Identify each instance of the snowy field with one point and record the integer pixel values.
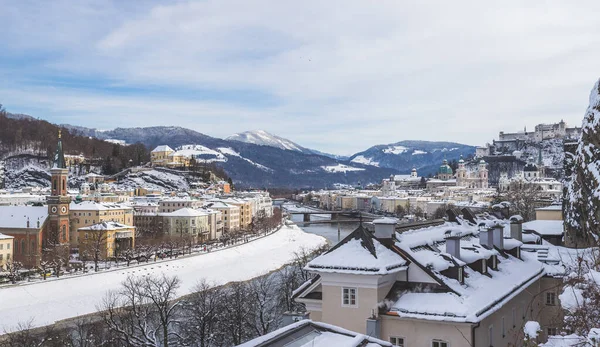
(48, 302)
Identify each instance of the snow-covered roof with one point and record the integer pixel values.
(163, 148)
(5, 237)
(16, 217)
(185, 212)
(550, 208)
(97, 206)
(314, 334)
(545, 227)
(359, 253)
(107, 226)
(481, 294)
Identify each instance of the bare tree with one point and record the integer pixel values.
(523, 198)
(202, 310)
(14, 271)
(144, 312)
(236, 314)
(266, 314)
(25, 335)
(95, 244)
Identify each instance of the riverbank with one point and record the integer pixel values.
(53, 301)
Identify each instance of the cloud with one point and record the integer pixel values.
(338, 75)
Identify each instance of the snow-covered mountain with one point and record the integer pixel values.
(426, 156)
(263, 138)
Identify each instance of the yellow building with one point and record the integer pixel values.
(230, 215)
(245, 210)
(552, 212)
(6, 250)
(160, 155)
(88, 213)
(110, 238)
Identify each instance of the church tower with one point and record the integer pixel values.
(58, 201)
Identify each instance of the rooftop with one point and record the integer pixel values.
(307, 333)
(16, 217)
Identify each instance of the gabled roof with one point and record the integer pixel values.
(359, 253)
(480, 294)
(314, 334)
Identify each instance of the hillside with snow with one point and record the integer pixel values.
(426, 156)
(263, 138)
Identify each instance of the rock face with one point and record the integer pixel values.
(582, 193)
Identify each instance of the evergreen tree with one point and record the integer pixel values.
(582, 193)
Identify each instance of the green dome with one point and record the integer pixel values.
(445, 169)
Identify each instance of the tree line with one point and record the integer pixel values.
(147, 311)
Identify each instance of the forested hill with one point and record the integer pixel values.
(32, 137)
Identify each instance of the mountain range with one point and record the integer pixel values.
(260, 159)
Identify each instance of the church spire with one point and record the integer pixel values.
(59, 156)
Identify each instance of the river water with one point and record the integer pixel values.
(329, 231)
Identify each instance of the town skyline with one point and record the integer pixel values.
(378, 75)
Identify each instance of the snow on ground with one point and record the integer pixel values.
(200, 153)
(153, 179)
(395, 150)
(417, 152)
(341, 168)
(361, 159)
(48, 302)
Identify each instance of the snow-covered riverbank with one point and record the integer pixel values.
(48, 302)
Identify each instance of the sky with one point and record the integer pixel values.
(337, 76)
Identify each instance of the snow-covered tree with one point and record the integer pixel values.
(582, 193)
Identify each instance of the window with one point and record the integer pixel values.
(397, 341)
(514, 317)
(1, 246)
(550, 299)
(551, 331)
(1, 255)
(8, 246)
(439, 343)
(349, 296)
(503, 328)
(491, 335)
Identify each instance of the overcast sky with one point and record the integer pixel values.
(337, 76)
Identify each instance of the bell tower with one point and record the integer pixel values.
(58, 201)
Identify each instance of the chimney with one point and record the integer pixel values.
(516, 227)
(453, 244)
(385, 228)
(486, 235)
(498, 237)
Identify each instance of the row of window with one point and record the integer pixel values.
(7, 257)
(2, 246)
(399, 342)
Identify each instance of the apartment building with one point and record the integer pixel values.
(88, 213)
(230, 215)
(468, 282)
(111, 238)
(173, 204)
(6, 250)
(187, 222)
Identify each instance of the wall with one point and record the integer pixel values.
(422, 332)
(548, 215)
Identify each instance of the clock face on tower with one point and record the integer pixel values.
(63, 210)
(54, 209)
